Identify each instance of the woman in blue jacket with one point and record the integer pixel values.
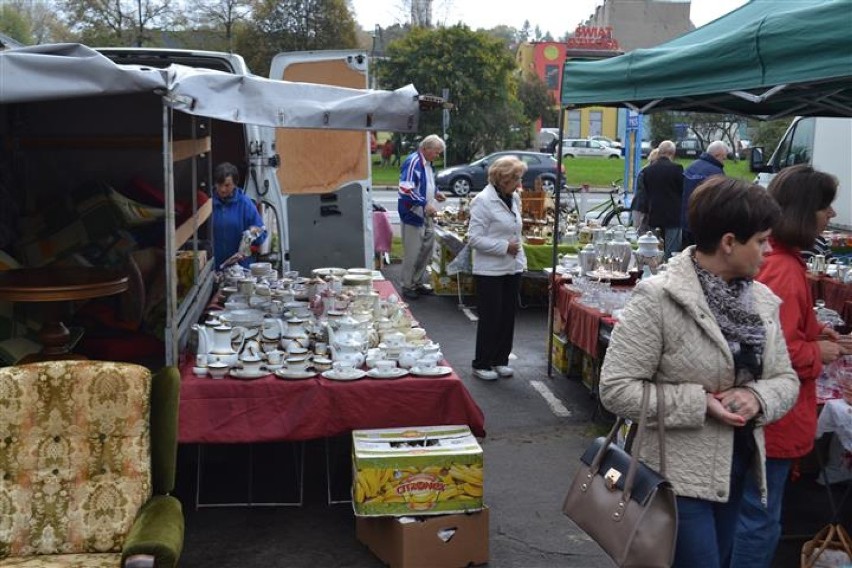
(233, 214)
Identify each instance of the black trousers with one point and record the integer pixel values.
(496, 303)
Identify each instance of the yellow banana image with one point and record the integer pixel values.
(360, 494)
(466, 474)
(472, 489)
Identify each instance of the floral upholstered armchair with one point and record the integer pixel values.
(87, 462)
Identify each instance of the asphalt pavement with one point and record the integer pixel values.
(537, 427)
(530, 453)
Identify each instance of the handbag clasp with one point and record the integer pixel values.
(611, 478)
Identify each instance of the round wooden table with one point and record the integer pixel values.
(52, 286)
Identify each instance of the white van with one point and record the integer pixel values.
(824, 143)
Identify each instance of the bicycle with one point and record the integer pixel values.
(606, 212)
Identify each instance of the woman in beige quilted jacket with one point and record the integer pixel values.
(710, 335)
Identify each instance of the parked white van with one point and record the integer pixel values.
(824, 143)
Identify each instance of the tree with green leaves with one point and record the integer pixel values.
(15, 24)
(119, 22)
(662, 128)
(768, 133)
(221, 16)
(479, 73)
(295, 25)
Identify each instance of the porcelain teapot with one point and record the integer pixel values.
(205, 338)
(296, 327)
(224, 340)
(348, 328)
(349, 352)
(649, 245)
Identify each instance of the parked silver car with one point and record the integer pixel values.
(582, 148)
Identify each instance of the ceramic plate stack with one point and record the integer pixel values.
(358, 279)
(263, 270)
(323, 272)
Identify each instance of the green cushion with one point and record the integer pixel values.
(158, 530)
(165, 394)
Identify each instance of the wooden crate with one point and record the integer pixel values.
(532, 204)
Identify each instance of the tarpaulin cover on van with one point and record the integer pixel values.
(766, 58)
(63, 71)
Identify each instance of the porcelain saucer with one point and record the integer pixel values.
(392, 373)
(244, 374)
(294, 375)
(352, 375)
(273, 368)
(438, 371)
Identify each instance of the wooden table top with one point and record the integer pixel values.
(57, 284)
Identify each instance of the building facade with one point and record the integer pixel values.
(616, 26)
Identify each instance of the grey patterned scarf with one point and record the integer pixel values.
(732, 305)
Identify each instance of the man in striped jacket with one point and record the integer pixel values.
(416, 206)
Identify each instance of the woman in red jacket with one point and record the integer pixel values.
(805, 197)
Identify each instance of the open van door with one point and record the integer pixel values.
(325, 175)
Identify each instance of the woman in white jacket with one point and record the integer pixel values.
(494, 235)
(710, 335)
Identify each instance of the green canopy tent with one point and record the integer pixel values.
(767, 59)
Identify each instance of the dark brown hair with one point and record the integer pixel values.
(801, 191)
(723, 205)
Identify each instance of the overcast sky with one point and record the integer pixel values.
(555, 16)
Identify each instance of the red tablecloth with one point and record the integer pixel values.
(580, 322)
(272, 409)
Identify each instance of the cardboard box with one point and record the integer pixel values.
(184, 264)
(445, 285)
(590, 371)
(426, 470)
(559, 354)
(443, 541)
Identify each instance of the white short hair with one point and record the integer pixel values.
(718, 147)
(432, 141)
(666, 148)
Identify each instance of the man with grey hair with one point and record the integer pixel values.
(663, 182)
(710, 163)
(416, 203)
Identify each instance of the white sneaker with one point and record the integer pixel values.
(504, 371)
(486, 374)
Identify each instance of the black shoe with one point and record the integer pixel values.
(410, 293)
(425, 290)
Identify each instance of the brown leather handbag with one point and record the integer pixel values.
(625, 506)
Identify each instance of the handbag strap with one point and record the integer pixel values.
(640, 434)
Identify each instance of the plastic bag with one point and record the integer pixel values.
(463, 262)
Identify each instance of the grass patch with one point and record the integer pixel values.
(596, 172)
(600, 172)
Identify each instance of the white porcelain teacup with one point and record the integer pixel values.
(321, 348)
(322, 364)
(297, 364)
(275, 357)
(384, 365)
(251, 365)
(343, 367)
(426, 363)
(218, 369)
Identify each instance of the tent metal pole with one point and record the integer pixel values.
(172, 336)
(554, 253)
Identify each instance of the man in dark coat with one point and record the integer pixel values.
(663, 181)
(708, 164)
